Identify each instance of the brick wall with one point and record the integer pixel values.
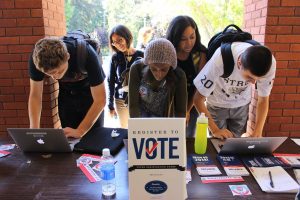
(54, 25)
(22, 23)
(276, 23)
(255, 13)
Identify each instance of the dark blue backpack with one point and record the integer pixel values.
(224, 40)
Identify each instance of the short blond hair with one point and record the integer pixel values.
(49, 53)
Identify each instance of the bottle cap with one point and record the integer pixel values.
(202, 118)
(105, 152)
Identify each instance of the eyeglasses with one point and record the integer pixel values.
(118, 42)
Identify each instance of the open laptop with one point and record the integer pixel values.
(263, 145)
(42, 140)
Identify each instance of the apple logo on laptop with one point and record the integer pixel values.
(251, 146)
(40, 141)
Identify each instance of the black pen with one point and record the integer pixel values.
(271, 180)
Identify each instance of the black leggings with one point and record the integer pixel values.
(73, 104)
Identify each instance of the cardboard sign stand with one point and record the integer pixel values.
(157, 158)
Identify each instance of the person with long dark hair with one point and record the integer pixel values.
(120, 41)
(191, 57)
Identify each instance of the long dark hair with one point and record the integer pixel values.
(176, 29)
(121, 31)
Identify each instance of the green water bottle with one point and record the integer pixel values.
(201, 134)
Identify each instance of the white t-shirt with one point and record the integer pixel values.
(234, 91)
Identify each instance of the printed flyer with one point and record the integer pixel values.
(232, 165)
(157, 157)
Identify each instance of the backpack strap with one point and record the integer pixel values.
(228, 61)
(227, 57)
(81, 48)
(232, 25)
(81, 54)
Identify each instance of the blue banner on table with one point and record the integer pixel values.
(263, 161)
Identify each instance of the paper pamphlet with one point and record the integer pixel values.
(240, 190)
(85, 163)
(222, 179)
(4, 153)
(205, 165)
(232, 165)
(5, 147)
(267, 176)
(290, 159)
(262, 161)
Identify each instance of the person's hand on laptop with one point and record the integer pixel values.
(222, 133)
(251, 135)
(71, 132)
(246, 134)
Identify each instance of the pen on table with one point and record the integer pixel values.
(271, 180)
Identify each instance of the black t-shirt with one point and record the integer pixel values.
(95, 73)
(188, 67)
(117, 66)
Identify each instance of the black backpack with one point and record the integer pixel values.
(224, 40)
(81, 40)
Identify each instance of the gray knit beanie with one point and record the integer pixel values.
(160, 51)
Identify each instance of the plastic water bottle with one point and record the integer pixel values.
(297, 197)
(107, 170)
(201, 134)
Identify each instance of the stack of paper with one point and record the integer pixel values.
(274, 180)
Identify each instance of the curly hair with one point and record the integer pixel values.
(49, 53)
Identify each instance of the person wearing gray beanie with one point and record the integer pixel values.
(157, 88)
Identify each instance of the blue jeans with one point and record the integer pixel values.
(191, 126)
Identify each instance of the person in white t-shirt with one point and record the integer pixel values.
(228, 99)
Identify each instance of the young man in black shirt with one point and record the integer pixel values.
(81, 92)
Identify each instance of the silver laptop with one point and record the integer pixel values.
(263, 145)
(43, 140)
